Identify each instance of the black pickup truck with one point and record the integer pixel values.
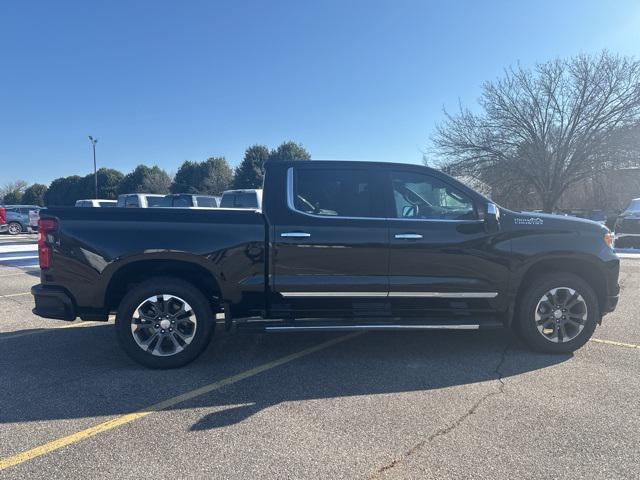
(337, 246)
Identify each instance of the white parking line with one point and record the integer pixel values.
(21, 256)
(28, 247)
(634, 256)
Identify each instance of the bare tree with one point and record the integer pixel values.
(12, 192)
(548, 128)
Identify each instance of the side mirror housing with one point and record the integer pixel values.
(492, 217)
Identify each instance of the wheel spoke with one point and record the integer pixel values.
(157, 350)
(545, 320)
(176, 345)
(562, 333)
(146, 343)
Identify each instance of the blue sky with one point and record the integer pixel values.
(161, 82)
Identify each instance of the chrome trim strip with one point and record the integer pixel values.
(391, 294)
(408, 236)
(291, 205)
(620, 235)
(443, 294)
(374, 327)
(295, 234)
(333, 294)
(443, 220)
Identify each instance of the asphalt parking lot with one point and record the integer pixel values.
(373, 405)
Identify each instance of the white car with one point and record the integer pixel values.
(139, 200)
(245, 198)
(96, 203)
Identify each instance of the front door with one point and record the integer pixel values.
(442, 259)
(330, 250)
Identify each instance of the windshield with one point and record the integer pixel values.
(634, 206)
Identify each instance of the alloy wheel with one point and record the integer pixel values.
(15, 228)
(561, 314)
(163, 325)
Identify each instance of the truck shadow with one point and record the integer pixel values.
(79, 373)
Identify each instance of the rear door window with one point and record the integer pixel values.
(131, 202)
(245, 200)
(337, 192)
(154, 201)
(207, 202)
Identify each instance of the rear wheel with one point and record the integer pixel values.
(14, 228)
(164, 323)
(558, 313)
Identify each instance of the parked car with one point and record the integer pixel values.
(3, 220)
(186, 200)
(627, 227)
(96, 203)
(139, 200)
(17, 217)
(246, 198)
(338, 246)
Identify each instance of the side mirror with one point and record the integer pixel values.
(409, 211)
(492, 217)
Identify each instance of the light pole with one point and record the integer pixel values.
(95, 171)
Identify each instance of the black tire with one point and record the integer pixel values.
(202, 332)
(526, 323)
(14, 228)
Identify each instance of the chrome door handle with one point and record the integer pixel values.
(295, 234)
(408, 236)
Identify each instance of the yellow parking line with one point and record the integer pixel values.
(15, 295)
(617, 344)
(171, 402)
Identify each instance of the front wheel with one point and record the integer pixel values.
(558, 313)
(164, 323)
(14, 228)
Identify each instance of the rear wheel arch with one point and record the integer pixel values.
(140, 271)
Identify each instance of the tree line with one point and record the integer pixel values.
(209, 177)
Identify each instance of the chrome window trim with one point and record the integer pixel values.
(390, 294)
(291, 205)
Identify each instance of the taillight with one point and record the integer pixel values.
(46, 226)
(608, 239)
(3, 216)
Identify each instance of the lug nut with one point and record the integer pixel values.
(157, 326)
(173, 321)
(170, 329)
(162, 331)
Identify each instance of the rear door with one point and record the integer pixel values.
(330, 244)
(442, 259)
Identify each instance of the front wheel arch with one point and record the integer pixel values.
(585, 268)
(526, 318)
